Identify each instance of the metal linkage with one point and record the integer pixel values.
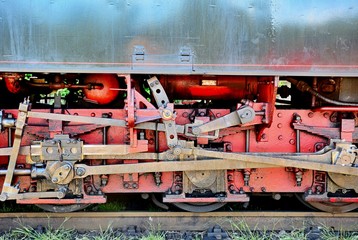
(166, 109)
(341, 159)
(7, 189)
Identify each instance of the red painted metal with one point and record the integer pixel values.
(273, 132)
(324, 198)
(85, 200)
(13, 83)
(210, 87)
(105, 95)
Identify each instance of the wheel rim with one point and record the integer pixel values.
(328, 206)
(334, 207)
(199, 207)
(62, 208)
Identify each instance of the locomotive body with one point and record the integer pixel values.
(202, 102)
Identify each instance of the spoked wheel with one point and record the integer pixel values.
(199, 207)
(62, 208)
(328, 206)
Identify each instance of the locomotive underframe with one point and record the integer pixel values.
(223, 156)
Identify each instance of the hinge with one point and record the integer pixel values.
(185, 55)
(138, 53)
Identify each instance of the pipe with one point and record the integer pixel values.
(63, 85)
(304, 87)
(18, 172)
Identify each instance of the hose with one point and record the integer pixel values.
(304, 87)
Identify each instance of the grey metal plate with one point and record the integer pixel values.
(277, 37)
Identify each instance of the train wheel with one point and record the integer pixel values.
(199, 207)
(62, 208)
(327, 206)
(334, 207)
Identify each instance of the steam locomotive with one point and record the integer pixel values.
(201, 102)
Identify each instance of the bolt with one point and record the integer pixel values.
(177, 151)
(67, 167)
(55, 180)
(319, 189)
(134, 185)
(195, 131)
(280, 137)
(279, 115)
(229, 177)
(326, 115)
(292, 142)
(276, 196)
(126, 185)
(310, 114)
(279, 125)
(80, 171)
(263, 189)
(263, 136)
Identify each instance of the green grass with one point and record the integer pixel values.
(12, 206)
(114, 206)
(240, 231)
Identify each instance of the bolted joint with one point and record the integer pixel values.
(167, 114)
(80, 171)
(3, 197)
(196, 130)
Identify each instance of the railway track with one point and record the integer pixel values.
(181, 221)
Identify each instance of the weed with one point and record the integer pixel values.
(114, 206)
(332, 234)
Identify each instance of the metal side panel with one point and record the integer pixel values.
(277, 37)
